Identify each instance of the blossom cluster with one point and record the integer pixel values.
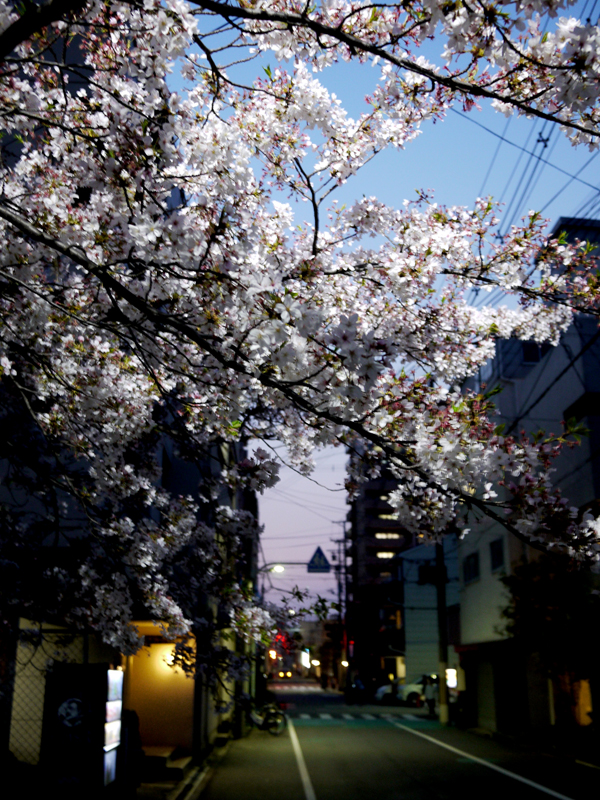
(176, 276)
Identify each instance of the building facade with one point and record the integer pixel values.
(515, 680)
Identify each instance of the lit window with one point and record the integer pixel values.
(471, 568)
(386, 576)
(497, 554)
(387, 536)
(385, 554)
(383, 515)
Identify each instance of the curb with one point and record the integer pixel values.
(192, 786)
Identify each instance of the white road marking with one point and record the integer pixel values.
(325, 716)
(291, 688)
(483, 762)
(347, 716)
(368, 716)
(304, 716)
(409, 716)
(309, 792)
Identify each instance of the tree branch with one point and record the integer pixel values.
(355, 44)
(33, 20)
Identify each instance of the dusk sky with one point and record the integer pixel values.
(299, 515)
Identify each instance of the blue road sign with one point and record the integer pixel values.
(318, 562)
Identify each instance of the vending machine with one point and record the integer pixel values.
(82, 725)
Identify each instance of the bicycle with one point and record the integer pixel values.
(270, 718)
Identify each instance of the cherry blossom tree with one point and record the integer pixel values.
(175, 267)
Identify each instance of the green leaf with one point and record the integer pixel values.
(492, 392)
(499, 429)
(267, 69)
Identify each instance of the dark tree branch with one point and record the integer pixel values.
(358, 45)
(34, 19)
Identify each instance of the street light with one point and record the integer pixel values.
(344, 663)
(279, 566)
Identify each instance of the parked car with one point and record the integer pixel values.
(409, 693)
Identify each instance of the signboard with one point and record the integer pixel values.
(318, 562)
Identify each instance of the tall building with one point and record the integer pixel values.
(374, 624)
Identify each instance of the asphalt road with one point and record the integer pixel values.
(332, 751)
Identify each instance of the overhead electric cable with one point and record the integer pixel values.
(584, 9)
(494, 157)
(589, 205)
(570, 181)
(510, 215)
(553, 383)
(592, 14)
(512, 144)
(539, 174)
(517, 162)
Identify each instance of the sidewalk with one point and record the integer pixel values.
(191, 787)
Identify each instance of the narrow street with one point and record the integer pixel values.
(334, 751)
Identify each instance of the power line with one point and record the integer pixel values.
(553, 383)
(487, 174)
(535, 182)
(314, 503)
(509, 220)
(302, 505)
(512, 144)
(570, 181)
(518, 161)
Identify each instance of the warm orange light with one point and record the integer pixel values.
(273, 654)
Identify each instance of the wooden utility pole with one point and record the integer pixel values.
(440, 585)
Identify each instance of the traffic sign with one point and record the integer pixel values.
(318, 562)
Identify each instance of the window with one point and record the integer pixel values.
(387, 536)
(384, 515)
(385, 554)
(471, 568)
(497, 554)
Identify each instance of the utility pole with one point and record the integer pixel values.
(340, 569)
(340, 572)
(440, 585)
